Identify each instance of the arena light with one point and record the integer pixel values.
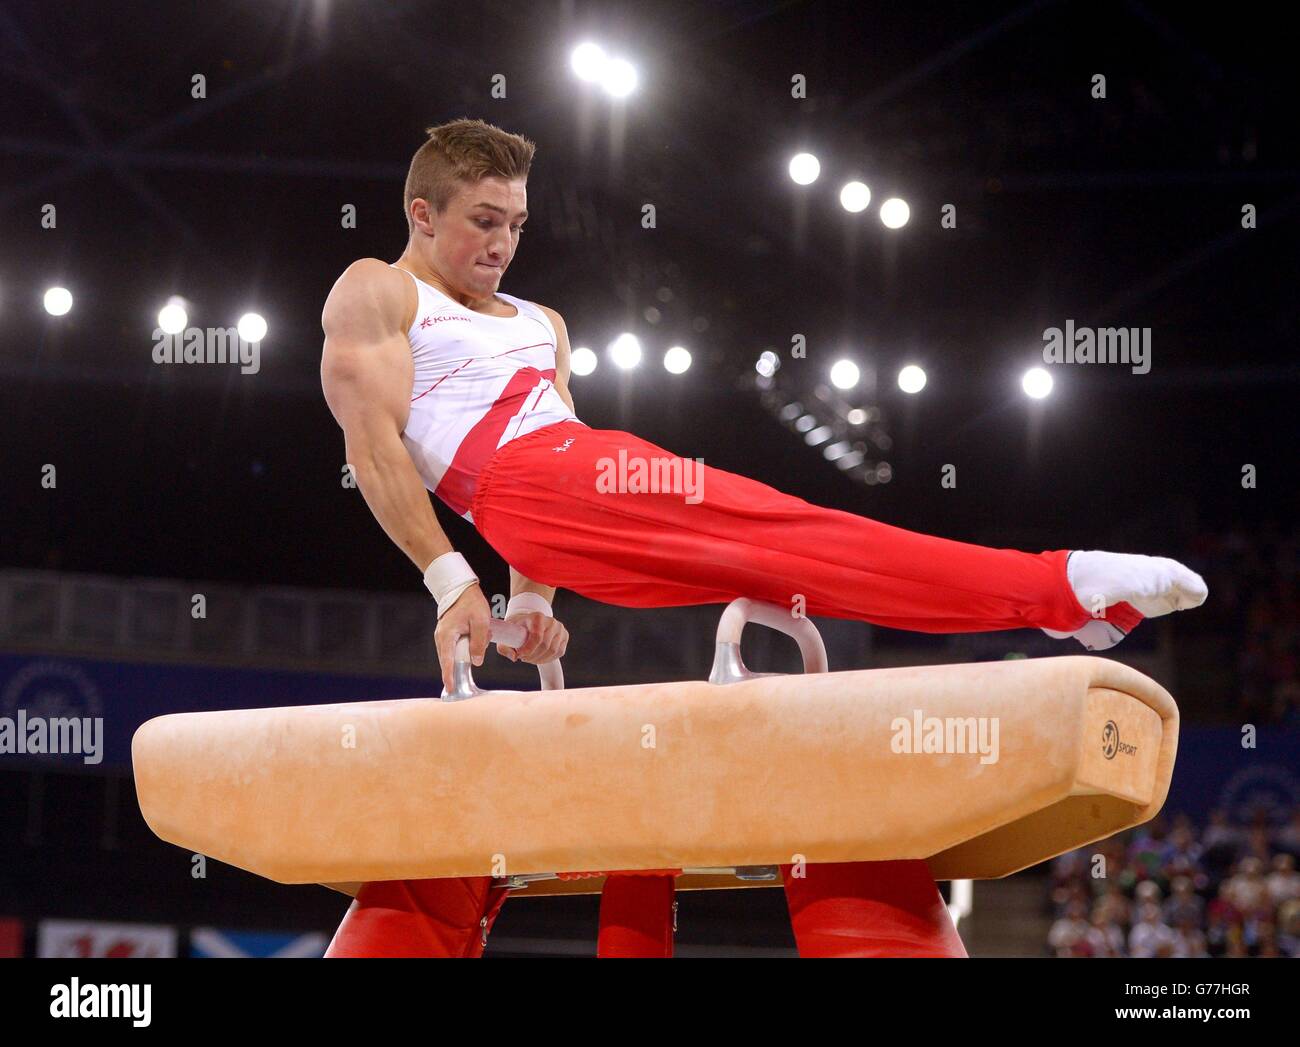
(252, 327)
(767, 363)
(855, 197)
(1036, 383)
(844, 374)
(58, 301)
(173, 317)
(625, 351)
(619, 78)
(677, 360)
(894, 213)
(588, 61)
(911, 379)
(582, 361)
(804, 168)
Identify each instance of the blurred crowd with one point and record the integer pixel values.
(1255, 601)
(1167, 890)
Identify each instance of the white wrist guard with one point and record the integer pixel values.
(446, 578)
(529, 602)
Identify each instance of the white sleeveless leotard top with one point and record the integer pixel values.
(480, 382)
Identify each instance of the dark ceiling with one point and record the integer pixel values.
(1124, 211)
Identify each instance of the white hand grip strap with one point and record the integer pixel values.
(507, 634)
(727, 664)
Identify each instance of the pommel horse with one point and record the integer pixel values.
(723, 779)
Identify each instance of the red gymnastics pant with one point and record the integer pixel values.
(538, 504)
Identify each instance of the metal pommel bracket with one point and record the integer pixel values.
(729, 667)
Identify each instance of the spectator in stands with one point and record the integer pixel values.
(1267, 942)
(1184, 852)
(1283, 882)
(1116, 907)
(1069, 894)
(1149, 850)
(1183, 904)
(1288, 918)
(1150, 937)
(1236, 944)
(1148, 893)
(1068, 870)
(1189, 940)
(1221, 832)
(1246, 889)
(1217, 928)
(1105, 936)
(1258, 845)
(1236, 893)
(1068, 935)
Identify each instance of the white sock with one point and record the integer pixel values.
(1155, 585)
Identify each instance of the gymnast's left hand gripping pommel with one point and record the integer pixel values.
(547, 639)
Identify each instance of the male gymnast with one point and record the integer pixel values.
(442, 382)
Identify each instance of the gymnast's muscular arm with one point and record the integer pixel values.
(366, 373)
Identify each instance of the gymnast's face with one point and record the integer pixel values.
(475, 239)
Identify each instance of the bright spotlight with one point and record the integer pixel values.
(172, 317)
(854, 197)
(619, 78)
(252, 328)
(894, 213)
(588, 61)
(911, 379)
(767, 364)
(844, 374)
(625, 351)
(677, 360)
(1036, 383)
(804, 168)
(58, 300)
(582, 361)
